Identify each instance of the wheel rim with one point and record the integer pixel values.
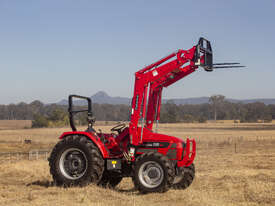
(73, 163)
(151, 174)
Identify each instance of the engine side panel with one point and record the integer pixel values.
(174, 148)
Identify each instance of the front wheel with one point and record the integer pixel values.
(76, 161)
(153, 172)
(185, 178)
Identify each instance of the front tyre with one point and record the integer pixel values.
(153, 172)
(76, 161)
(185, 178)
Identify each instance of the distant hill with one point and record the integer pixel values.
(246, 101)
(102, 97)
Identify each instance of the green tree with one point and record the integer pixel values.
(170, 113)
(216, 101)
(57, 115)
(40, 121)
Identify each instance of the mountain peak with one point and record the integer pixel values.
(100, 94)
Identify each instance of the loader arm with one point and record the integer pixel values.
(150, 81)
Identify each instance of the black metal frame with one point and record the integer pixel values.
(204, 47)
(73, 112)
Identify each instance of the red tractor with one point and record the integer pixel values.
(155, 162)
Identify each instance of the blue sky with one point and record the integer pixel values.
(50, 49)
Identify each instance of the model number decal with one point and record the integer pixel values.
(155, 144)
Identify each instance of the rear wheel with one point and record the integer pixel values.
(76, 161)
(153, 172)
(185, 178)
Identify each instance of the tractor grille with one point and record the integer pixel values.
(183, 146)
(172, 154)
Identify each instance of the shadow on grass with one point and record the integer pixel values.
(47, 183)
(125, 190)
(42, 183)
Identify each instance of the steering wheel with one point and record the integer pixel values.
(118, 128)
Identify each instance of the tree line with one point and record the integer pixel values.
(46, 115)
(251, 112)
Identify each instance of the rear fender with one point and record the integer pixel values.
(92, 137)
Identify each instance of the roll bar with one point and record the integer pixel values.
(73, 112)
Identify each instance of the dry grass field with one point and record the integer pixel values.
(235, 165)
(15, 124)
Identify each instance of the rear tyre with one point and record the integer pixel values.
(186, 178)
(76, 161)
(153, 172)
(109, 180)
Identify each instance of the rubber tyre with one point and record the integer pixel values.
(109, 180)
(95, 162)
(188, 177)
(168, 172)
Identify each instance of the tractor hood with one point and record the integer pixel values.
(149, 136)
